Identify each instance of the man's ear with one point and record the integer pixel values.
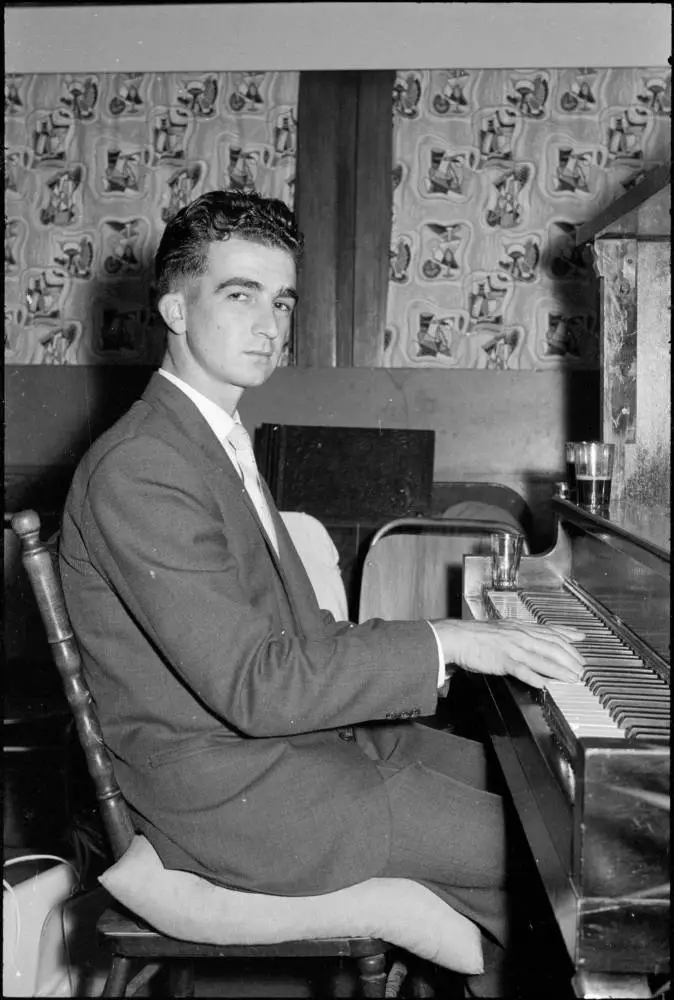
(173, 311)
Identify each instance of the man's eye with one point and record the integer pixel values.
(238, 296)
(285, 306)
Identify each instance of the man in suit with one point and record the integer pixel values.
(258, 742)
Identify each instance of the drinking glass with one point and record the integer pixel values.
(570, 450)
(506, 549)
(594, 472)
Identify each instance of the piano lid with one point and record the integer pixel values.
(641, 529)
(650, 523)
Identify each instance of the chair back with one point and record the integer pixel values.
(413, 567)
(46, 585)
(448, 494)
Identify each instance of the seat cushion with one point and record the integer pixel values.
(186, 906)
(320, 558)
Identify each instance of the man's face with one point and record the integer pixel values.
(237, 317)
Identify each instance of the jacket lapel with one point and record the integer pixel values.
(189, 422)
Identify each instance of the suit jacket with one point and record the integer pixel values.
(222, 689)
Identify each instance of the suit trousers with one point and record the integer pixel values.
(449, 832)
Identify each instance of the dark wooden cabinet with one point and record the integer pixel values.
(352, 479)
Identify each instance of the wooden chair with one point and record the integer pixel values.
(448, 495)
(412, 568)
(127, 938)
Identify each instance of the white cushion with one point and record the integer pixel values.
(320, 557)
(396, 910)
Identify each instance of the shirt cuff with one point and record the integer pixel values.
(442, 673)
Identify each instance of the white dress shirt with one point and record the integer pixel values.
(221, 424)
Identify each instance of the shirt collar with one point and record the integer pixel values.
(217, 419)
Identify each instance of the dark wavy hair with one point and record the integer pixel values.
(182, 254)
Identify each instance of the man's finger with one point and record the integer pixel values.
(550, 639)
(572, 634)
(546, 667)
(548, 646)
(561, 643)
(529, 677)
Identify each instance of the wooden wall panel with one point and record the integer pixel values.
(632, 253)
(327, 116)
(343, 204)
(374, 193)
(616, 264)
(648, 462)
(506, 427)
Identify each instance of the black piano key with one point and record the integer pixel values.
(635, 708)
(639, 726)
(608, 660)
(618, 675)
(631, 698)
(623, 670)
(606, 650)
(602, 641)
(602, 685)
(648, 692)
(614, 704)
(645, 693)
(601, 648)
(601, 644)
(652, 721)
(652, 708)
(606, 675)
(647, 686)
(651, 695)
(638, 689)
(646, 733)
(641, 716)
(638, 671)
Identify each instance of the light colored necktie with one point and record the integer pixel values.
(245, 457)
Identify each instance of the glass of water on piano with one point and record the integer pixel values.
(594, 471)
(506, 550)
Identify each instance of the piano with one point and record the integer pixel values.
(587, 765)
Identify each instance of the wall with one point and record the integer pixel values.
(506, 427)
(512, 424)
(96, 167)
(87, 37)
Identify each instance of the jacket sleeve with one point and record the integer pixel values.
(156, 534)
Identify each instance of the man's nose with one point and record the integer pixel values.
(266, 322)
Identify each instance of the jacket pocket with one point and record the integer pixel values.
(180, 751)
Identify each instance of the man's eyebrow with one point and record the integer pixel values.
(254, 286)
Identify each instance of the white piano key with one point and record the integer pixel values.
(582, 710)
(603, 651)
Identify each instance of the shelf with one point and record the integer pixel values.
(653, 182)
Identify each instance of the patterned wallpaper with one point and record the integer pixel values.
(493, 171)
(94, 168)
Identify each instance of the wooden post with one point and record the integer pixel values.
(616, 264)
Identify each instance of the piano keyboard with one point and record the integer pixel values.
(621, 697)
